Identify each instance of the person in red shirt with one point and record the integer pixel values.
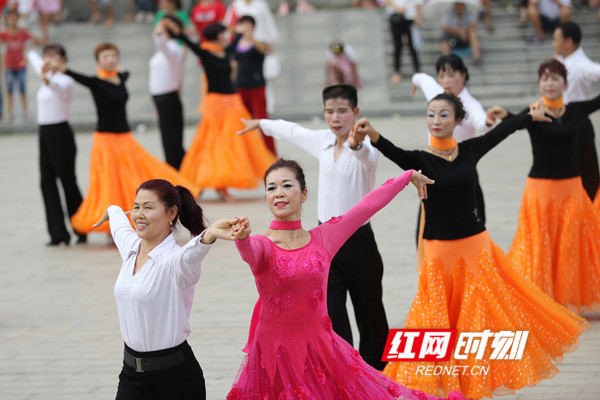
(206, 12)
(15, 39)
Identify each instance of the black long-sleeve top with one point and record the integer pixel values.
(555, 145)
(451, 207)
(218, 70)
(110, 100)
(250, 68)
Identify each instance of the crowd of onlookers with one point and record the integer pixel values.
(458, 23)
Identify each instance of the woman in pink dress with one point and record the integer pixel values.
(293, 353)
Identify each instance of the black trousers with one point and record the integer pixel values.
(170, 121)
(357, 268)
(184, 381)
(57, 161)
(401, 27)
(588, 159)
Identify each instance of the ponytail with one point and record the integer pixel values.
(190, 213)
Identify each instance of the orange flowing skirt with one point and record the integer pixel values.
(557, 244)
(219, 158)
(597, 199)
(469, 285)
(118, 165)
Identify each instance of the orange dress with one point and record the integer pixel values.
(218, 157)
(118, 163)
(467, 283)
(556, 245)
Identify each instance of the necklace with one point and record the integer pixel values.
(443, 153)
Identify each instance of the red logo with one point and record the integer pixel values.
(419, 345)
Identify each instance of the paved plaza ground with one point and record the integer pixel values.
(59, 332)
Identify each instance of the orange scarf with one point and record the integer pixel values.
(558, 103)
(210, 46)
(442, 144)
(105, 74)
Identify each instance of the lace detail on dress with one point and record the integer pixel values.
(284, 269)
(277, 305)
(314, 263)
(317, 299)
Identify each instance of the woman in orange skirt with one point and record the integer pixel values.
(556, 245)
(219, 158)
(118, 164)
(466, 282)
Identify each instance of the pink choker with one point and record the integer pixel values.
(286, 225)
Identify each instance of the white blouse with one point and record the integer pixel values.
(154, 304)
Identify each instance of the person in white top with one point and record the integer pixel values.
(452, 76)
(57, 144)
(346, 175)
(154, 291)
(166, 70)
(545, 15)
(581, 73)
(403, 13)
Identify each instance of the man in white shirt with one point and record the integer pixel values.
(581, 72)
(57, 144)
(346, 175)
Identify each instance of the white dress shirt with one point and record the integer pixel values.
(166, 66)
(342, 183)
(581, 72)
(474, 120)
(154, 304)
(54, 98)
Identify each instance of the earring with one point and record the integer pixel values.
(171, 223)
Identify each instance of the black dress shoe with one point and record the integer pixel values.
(58, 241)
(81, 238)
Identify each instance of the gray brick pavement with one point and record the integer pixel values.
(59, 334)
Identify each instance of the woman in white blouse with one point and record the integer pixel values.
(155, 290)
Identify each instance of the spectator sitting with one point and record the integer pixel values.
(459, 31)
(341, 66)
(545, 15)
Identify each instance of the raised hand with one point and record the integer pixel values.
(227, 229)
(421, 181)
(363, 128)
(105, 218)
(538, 113)
(251, 125)
(495, 112)
(171, 26)
(354, 139)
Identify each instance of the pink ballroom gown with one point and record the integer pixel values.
(293, 352)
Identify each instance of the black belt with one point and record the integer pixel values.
(153, 363)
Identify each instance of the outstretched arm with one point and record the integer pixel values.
(337, 230)
(485, 143)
